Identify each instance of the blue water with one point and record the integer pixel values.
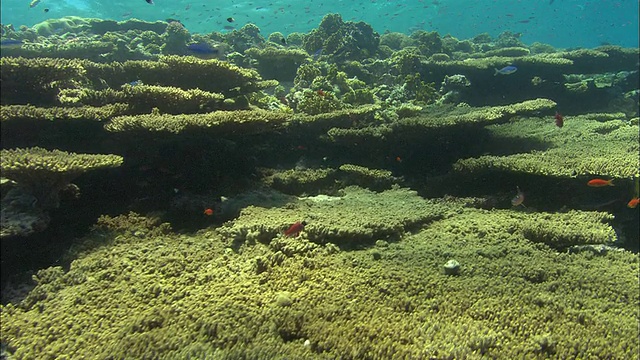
(561, 23)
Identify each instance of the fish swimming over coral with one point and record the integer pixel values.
(600, 183)
(202, 48)
(11, 43)
(507, 70)
(295, 229)
(519, 198)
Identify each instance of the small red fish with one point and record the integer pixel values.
(294, 230)
(600, 183)
(321, 92)
(518, 199)
(559, 120)
(633, 203)
(208, 211)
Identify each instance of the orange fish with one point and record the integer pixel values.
(208, 211)
(294, 230)
(633, 203)
(600, 183)
(321, 92)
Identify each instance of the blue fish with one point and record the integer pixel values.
(202, 48)
(134, 83)
(317, 54)
(507, 70)
(11, 43)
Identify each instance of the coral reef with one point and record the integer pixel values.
(395, 158)
(298, 181)
(590, 145)
(144, 98)
(34, 113)
(374, 179)
(39, 81)
(342, 40)
(335, 220)
(277, 63)
(40, 176)
(272, 299)
(43, 173)
(219, 122)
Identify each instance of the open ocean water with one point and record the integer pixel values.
(561, 23)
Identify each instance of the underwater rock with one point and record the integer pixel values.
(451, 267)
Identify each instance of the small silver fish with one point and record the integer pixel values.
(518, 199)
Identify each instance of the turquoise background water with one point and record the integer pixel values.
(562, 23)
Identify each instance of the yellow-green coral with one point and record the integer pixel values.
(185, 72)
(360, 135)
(44, 173)
(91, 113)
(533, 62)
(508, 52)
(192, 297)
(143, 98)
(481, 115)
(296, 181)
(313, 103)
(37, 81)
(584, 146)
(358, 216)
(240, 121)
(366, 177)
(278, 63)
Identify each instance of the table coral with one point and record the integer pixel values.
(587, 147)
(43, 173)
(144, 98)
(89, 113)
